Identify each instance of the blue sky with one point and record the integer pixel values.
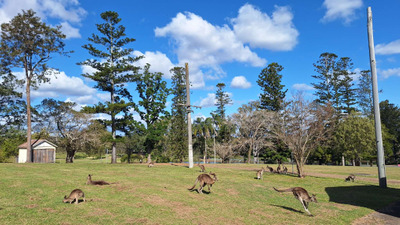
(224, 41)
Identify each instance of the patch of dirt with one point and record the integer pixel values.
(100, 212)
(49, 210)
(137, 221)
(31, 206)
(260, 212)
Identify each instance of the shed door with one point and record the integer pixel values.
(43, 155)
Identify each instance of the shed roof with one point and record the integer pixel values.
(40, 141)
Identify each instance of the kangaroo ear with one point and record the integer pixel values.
(65, 196)
(314, 195)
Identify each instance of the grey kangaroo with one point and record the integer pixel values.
(205, 179)
(202, 167)
(96, 182)
(284, 169)
(151, 164)
(351, 177)
(271, 170)
(278, 169)
(260, 173)
(302, 195)
(75, 195)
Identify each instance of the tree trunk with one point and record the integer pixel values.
(205, 151)
(29, 155)
(299, 166)
(343, 161)
(354, 162)
(215, 153)
(249, 155)
(70, 155)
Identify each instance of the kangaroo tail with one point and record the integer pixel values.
(284, 190)
(197, 180)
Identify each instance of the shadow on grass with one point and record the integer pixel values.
(367, 196)
(289, 208)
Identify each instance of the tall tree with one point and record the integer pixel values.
(390, 116)
(364, 93)
(346, 90)
(114, 70)
(325, 68)
(272, 94)
(28, 43)
(202, 129)
(223, 99)
(153, 93)
(178, 130)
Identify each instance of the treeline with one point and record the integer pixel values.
(335, 128)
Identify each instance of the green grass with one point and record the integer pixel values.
(33, 194)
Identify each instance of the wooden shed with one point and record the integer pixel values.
(43, 151)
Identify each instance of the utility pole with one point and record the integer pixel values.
(378, 130)
(189, 119)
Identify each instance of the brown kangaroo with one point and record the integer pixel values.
(205, 179)
(151, 164)
(202, 167)
(284, 169)
(278, 169)
(260, 173)
(75, 195)
(96, 182)
(302, 195)
(271, 170)
(351, 177)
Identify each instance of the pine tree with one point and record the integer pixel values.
(364, 93)
(113, 71)
(223, 99)
(272, 94)
(28, 43)
(346, 90)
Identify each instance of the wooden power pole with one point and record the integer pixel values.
(189, 119)
(378, 130)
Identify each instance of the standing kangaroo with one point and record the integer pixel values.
(284, 169)
(302, 195)
(271, 170)
(260, 173)
(202, 167)
(96, 182)
(205, 179)
(75, 194)
(351, 177)
(278, 169)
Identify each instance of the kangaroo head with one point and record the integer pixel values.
(214, 175)
(313, 198)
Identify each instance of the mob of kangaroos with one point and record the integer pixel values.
(96, 182)
(302, 195)
(75, 195)
(204, 179)
(351, 177)
(202, 167)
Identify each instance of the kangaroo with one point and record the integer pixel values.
(75, 194)
(205, 179)
(284, 169)
(302, 195)
(96, 182)
(260, 173)
(351, 177)
(271, 170)
(202, 167)
(151, 164)
(278, 169)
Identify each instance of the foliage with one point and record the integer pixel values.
(153, 93)
(390, 117)
(272, 94)
(364, 93)
(28, 43)
(9, 142)
(222, 99)
(113, 72)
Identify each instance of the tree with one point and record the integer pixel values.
(223, 99)
(253, 128)
(325, 67)
(153, 93)
(28, 43)
(113, 72)
(202, 128)
(347, 90)
(272, 94)
(59, 118)
(303, 125)
(364, 93)
(390, 116)
(178, 129)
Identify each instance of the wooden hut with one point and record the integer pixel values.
(43, 151)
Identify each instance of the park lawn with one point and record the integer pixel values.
(33, 194)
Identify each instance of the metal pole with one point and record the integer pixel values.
(189, 117)
(378, 130)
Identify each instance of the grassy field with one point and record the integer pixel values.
(33, 194)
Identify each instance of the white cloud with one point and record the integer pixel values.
(69, 31)
(65, 11)
(302, 87)
(341, 9)
(209, 101)
(240, 82)
(389, 72)
(205, 46)
(159, 62)
(260, 30)
(388, 49)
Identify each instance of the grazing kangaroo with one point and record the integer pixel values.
(202, 167)
(302, 195)
(260, 173)
(75, 194)
(151, 164)
(205, 179)
(271, 170)
(351, 177)
(96, 182)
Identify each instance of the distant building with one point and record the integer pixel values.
(43, 151)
